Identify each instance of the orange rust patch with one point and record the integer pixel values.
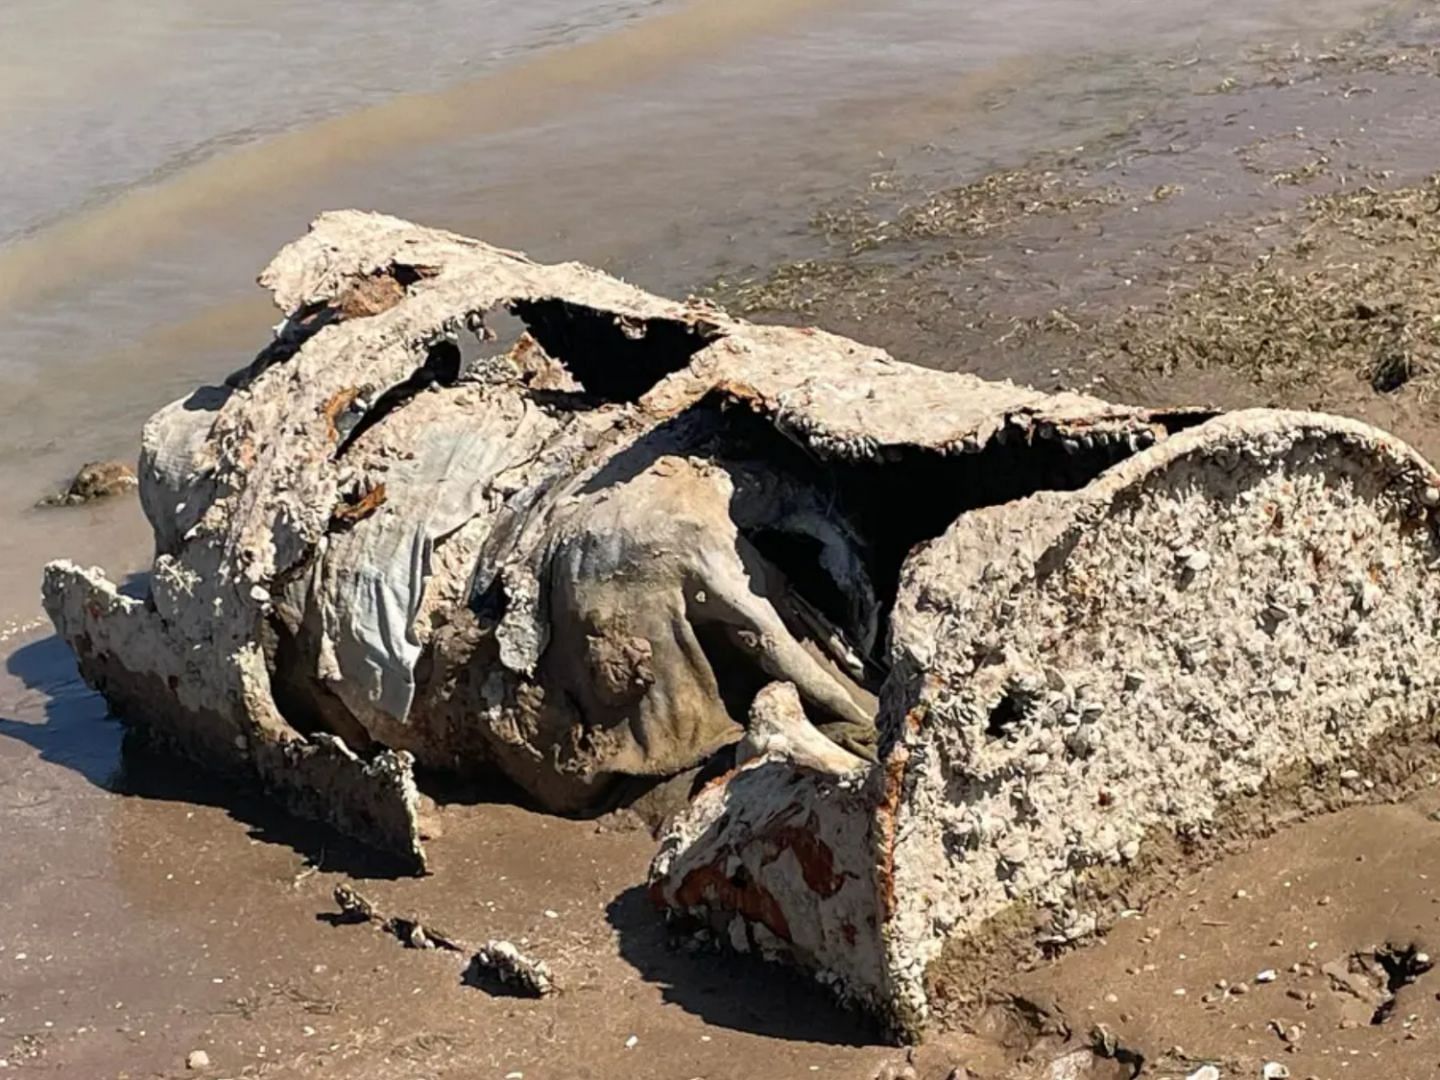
(338, 403)
(369, 296)
(885, 815)
(719, 781)
(709, 885)
(817, 861)
(915, 718)
(741, 393)
(380, 291)
(347, 513)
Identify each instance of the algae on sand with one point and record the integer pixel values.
(1356, 289)
(882, 249)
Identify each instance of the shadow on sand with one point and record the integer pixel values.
(732, 991)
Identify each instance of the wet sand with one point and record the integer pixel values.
(147, 913)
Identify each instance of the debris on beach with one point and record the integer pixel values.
(495, 962)
(974, 667)
(410, 930)
(95, 480)
(502, 962)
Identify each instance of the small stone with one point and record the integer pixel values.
(1205, 1072)
(1430, 496)
(197, 1059)
(1273, 1070)
(1266, 976)
(1014, 849)
(1240, 988)
(632, 1042)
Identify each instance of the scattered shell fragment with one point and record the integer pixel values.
(504, 962)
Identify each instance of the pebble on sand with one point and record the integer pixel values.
(197, 1059)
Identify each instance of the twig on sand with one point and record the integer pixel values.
(410, 929)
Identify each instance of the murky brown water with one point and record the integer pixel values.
(155, 159)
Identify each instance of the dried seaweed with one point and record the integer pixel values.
(952, 216)
(1356, 289)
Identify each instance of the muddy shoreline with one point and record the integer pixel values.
(151, 914)
(1267, 239)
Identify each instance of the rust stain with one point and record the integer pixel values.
(347, 513)
(740, 393)
(718, 782)
(380, 291)
(817, 861)
(709, 885)
(885, 814)
(340, 401)
(369, 296)
(915, 718)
